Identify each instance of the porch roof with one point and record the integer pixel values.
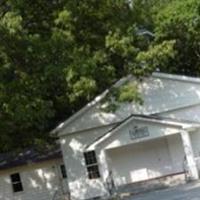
(179, 124)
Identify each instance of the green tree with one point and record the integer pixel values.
(57, 55)
(54, 57)
(180, 21)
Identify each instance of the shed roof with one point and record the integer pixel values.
(13, 159)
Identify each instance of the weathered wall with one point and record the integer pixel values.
(176, 151)
(141, 161)
(195, 139)
(191, 113)
(122, 136)
(73, 147)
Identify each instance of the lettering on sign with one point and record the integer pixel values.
(137, 133)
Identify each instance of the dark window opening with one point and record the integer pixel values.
(63, 171)
(93, 172)
(92, 165)
(16, 182)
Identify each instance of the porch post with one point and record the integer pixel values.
(189, 154)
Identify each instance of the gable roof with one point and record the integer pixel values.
(146, 118)
(89, 105)
(12, 159)
(162, 76)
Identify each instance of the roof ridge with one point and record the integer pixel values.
(177, 77)
(90, 104)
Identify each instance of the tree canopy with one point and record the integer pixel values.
(57, 55)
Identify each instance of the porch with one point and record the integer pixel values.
(149, 166)
(146, 160)
(143, 151)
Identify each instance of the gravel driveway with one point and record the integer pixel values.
(190, 191)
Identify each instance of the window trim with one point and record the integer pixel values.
(18, 182)
(95, 174)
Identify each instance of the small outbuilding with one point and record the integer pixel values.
(32, 175)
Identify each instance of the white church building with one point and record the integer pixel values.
(135, 148)
(137, 144)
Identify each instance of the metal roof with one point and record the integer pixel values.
(13, 159)
(180, 78)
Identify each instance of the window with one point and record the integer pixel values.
(16, 182)
(92, 165)
(63, 171)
